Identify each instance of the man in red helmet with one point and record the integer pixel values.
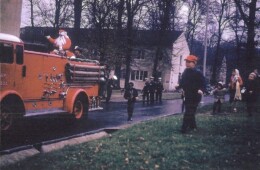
(193, 85)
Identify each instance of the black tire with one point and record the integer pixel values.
(80, 107)
(6, 117)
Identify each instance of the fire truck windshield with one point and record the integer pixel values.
(6, 53)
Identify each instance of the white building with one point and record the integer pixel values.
(173, 45)
(171, 65)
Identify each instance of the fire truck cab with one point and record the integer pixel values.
(35, 83)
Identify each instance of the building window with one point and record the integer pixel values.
(138, 75)
(140, 54)
(133, 75)
(123, 73)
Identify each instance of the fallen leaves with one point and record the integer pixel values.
(98, 147)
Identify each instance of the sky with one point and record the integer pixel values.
(25, 20)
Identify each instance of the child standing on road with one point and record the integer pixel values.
(131, 95)
(235, 84)
(219, 97)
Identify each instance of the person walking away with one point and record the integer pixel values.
(152, 88)
(235, 85)
(251, 93)
(193, 85)
(219, 96)
(131, 95)
(146, 91)
(110, 86)
(159, 90)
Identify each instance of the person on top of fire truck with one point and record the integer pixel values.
(78, 52)
(62, 43)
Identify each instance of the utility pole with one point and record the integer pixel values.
(206, 41)
(10, 16)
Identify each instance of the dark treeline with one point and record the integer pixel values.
(233, 28)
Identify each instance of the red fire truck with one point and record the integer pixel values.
(36, 83)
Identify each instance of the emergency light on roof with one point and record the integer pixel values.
(9, 37)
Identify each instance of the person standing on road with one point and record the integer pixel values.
(152, 88)
(131, 95)
(251, 93)
(193, 85)
(110, 86)
(146, 91)
(159, 90)
(219, 96)
(235, 85)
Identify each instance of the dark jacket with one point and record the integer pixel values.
(159, 87)
(192, 80)
(110, 84)
(251, 86)
(152, 87)
(131, 94)
(146, 87)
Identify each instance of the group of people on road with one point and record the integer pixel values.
(248, 94)
(193, 84)
(239, 90)
(152, 90)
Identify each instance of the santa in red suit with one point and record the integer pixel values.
(62, 43)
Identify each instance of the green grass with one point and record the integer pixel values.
(227, 141)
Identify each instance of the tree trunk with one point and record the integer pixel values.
(129, 49)
(57, 14)
(119, 41)
(250, 23)
(77, 20)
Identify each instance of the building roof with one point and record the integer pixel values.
(140, 37)
(153, 38)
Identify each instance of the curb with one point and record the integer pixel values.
(15, 157)
(73, 141)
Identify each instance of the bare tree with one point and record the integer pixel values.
(132, 7)
(100, 15)
(120, 47)
(56, 14)
(32, 5)
(220, 12)
(194, 20)
(165, 9)
(248, 11)
(77, 18)
(240, 35)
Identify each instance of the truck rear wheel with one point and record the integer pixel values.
(79, 107)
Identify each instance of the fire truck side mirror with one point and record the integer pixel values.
(24, 71)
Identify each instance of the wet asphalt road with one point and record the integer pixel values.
(39, 129)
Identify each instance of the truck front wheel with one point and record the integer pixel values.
(6, 117)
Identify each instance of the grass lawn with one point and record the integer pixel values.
(226, 141)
